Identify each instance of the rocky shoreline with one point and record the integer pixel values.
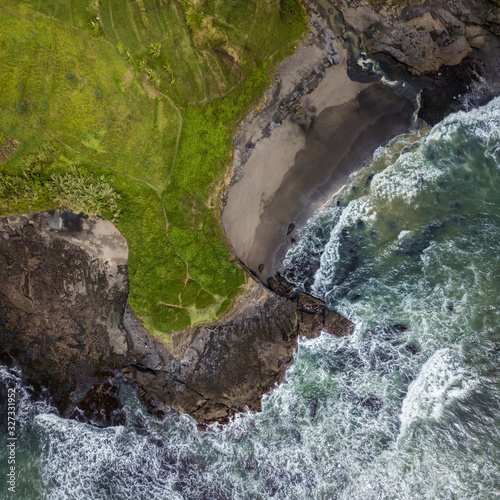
(64, 316)
(314, 129)
(65, 321)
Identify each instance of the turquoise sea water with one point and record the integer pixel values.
(408, 407)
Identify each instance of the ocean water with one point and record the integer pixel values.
(408, 407)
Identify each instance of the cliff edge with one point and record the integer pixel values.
(65, 321)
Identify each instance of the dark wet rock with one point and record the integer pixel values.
(372, 403)
(412, 348)
(337, 325)
(382, 359)
(398, 328)
(342, 359)
(313, 407)
(389, 333)
(291, 227)
(103, 404)
(309, 304)
(369, 179)
(315, 318)
(281, 286)
(456, 88)
(446, 50)
(494, 350)
(422, 38)
(72, 222)
(414, 245)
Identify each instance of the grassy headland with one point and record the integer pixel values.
(127, 110)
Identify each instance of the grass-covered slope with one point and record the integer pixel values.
(127, 109)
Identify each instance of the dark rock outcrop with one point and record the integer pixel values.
(313, 315)
(65, 321)
(214, 371)
(447, 50)
(63, 288)
(421, 37)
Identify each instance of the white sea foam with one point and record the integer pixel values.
(442, 380)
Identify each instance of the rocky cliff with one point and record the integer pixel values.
(64, 320)
(446, 50)
(63, 288)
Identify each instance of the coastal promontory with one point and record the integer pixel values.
(155, 169)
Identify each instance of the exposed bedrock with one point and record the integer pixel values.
(425, 36)
(64, 320)
(449, 49)
(216, 370)
(63, 288)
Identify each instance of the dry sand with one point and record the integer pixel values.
(308, 157)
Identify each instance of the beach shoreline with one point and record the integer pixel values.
(302, 146)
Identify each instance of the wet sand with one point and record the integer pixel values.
(343, 140)
(290, 172)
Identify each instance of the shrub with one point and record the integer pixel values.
(22, 106)
(85, 193)
(292, 11)
(154, 48)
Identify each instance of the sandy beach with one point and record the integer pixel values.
(288, 164)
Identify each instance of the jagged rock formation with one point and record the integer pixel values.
(213, 371)
(64, 320)
(425, 36)
(447, 49)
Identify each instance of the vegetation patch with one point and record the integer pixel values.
(130, 114)
(8, 147)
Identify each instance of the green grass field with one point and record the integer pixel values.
(127, 109)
